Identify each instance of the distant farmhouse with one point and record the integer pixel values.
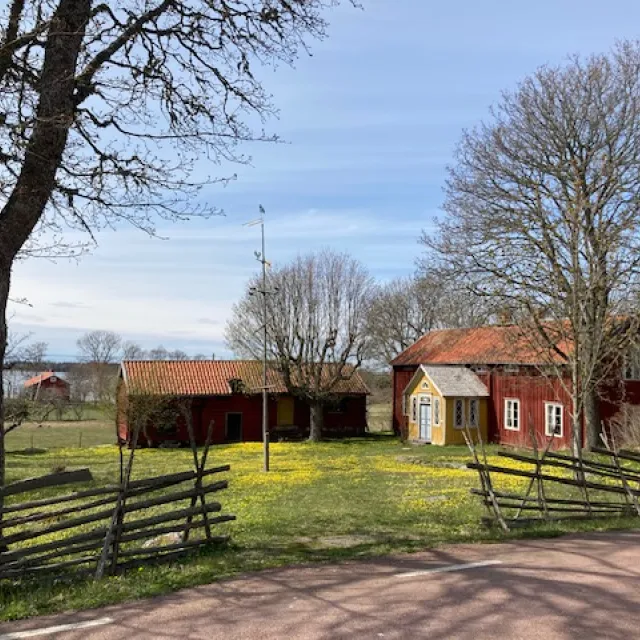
(488, 378)
(47, 386)
(228, 392)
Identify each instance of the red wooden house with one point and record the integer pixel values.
(520, 395)
(229, 393)
(47, 386)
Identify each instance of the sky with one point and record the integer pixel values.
(370, 120)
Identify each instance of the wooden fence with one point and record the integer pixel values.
(559, 486)
(108, 529)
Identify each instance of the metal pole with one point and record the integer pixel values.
(265, 411)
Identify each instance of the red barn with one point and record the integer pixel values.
(47, 386)
(229, 393)
(520, 395)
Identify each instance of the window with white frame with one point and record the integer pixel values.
(436, 411)
(553, 419)
(474, 411)
(631, 368)
(458, 413)
(414, 409)
(512, 414)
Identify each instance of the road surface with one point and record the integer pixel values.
(581, 586)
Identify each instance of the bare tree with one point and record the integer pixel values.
(404, 309)
(34, 354)
(99, 350)
(159, 353)
(99, 346)
(106, 106)
(316, 326)
(544, 213)
(132, 351)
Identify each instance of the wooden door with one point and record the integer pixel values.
(425, 422)
(285, 411)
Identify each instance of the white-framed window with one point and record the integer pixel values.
(512, 414)
(414, 409)
(436, 411)
(474, 412)
(553, 425)
(458, 413)
(631, 366)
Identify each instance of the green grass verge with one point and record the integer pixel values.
(321, 502)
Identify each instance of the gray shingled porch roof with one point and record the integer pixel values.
(455, 381)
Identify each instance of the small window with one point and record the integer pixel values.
(414, 409)
(511, 368)
(512, 414)
(53, 379)
(474, 411)
(458, 413)
(436, 411)
(339, 406)
(553, 419)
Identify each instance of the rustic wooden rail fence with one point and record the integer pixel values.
(604, 484)
(105, 530)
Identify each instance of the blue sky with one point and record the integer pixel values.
(371, 121)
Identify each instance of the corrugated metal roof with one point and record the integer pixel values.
(504, 344)
(212, 377)
(455, 381)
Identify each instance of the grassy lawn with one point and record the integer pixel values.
(321, 502)
(72, 433)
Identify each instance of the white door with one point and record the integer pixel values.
(425, 422)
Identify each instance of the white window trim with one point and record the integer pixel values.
(506, 414)
(547, 431)
(455, 403)
(436, 415)
(473, 424)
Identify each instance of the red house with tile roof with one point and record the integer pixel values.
(47, 386)
(229, 394)
(511, 368)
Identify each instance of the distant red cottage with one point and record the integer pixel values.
(47, 386)
(228, 392)
(516, 395)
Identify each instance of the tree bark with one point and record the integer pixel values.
(317, 421)
(592, 419)
(576, 412)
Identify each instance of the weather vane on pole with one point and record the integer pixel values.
(264, 292)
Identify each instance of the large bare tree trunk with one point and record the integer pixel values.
(592, 419)
(5, 279)
(317, 421)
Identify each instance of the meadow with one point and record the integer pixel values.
(320, 502)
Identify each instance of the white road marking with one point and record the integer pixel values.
(447, 569)
(34, 633)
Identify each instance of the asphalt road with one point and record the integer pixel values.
(585, 586)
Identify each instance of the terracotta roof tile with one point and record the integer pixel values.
(211, 377)
(40, 378)
(503, 344)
